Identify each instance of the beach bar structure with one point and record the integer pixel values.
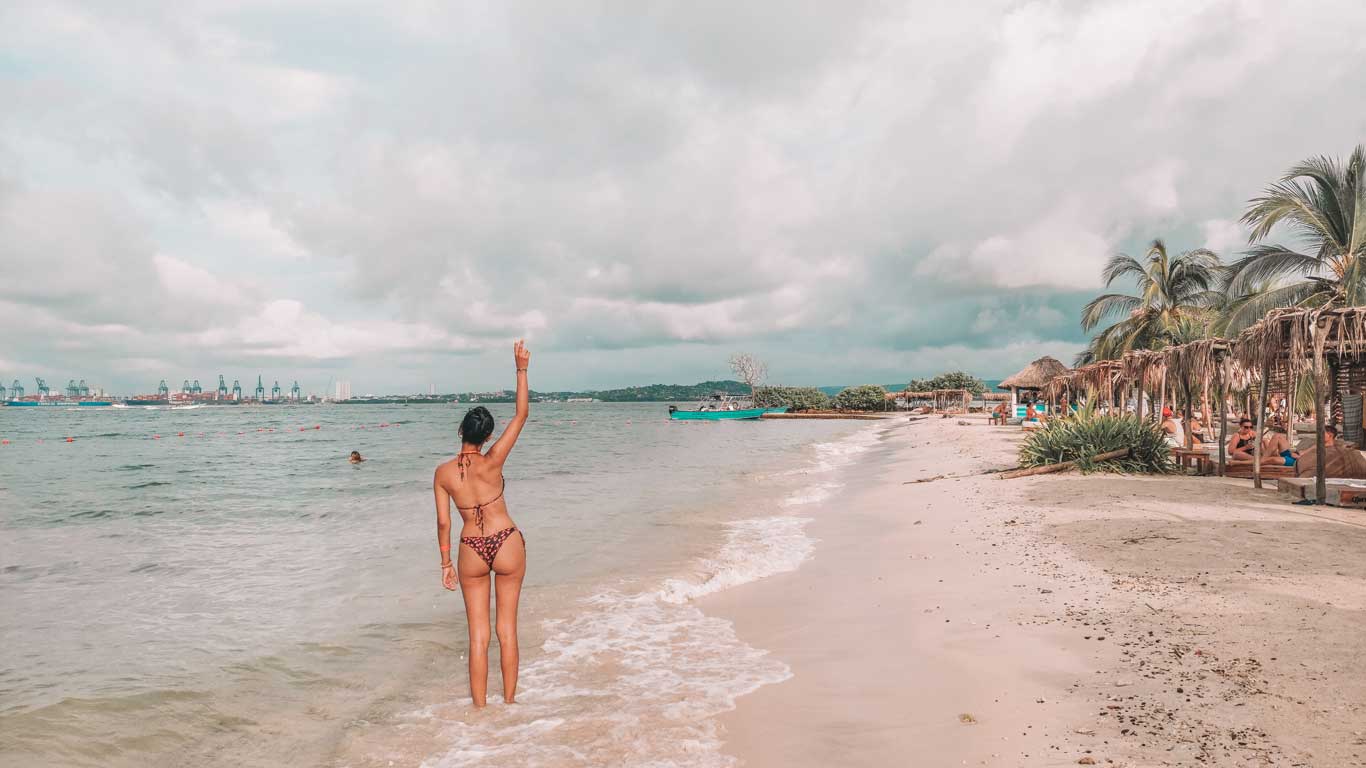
(1033, 378)
(1153, 380)
(1326, 344)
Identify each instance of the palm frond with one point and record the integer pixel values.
(1247, 309)
(1268, 264)
(1121, 265)
(1107, 305)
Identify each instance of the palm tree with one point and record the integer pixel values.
(1324, 202)
(1172, 293)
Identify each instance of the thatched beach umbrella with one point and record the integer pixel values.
(1034, 377)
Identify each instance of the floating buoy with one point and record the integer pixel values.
(180, 434)
(156, 437)
(260, 429)
(241, 433)
(4, 442)
(71, 439)
(317, 426)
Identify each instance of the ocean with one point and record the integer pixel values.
(219, 586)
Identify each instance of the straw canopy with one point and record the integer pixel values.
(1036, 375)
(1297, 336)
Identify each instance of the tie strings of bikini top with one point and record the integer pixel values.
(464, 460)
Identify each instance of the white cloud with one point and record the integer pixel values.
(391, 186)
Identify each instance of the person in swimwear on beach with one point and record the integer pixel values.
(474, 481)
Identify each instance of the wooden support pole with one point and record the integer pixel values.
(1261, 418)
(1223, 421)
(1321, 387)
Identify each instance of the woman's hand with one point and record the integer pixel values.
(521, 354)
(448, 577)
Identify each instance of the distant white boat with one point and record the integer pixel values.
(185, 407)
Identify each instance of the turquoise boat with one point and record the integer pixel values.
(720, 407)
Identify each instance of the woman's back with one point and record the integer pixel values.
(476, 488)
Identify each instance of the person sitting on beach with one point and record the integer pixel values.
(1330, 435)
(474, 482)
(998, 414)
(1171, 425)
(1276, 449)
(1240, 445)
(1197, 429)
(356, 458)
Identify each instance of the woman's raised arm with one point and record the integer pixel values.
(501, 447)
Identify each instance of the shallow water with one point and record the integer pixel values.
(241, 595)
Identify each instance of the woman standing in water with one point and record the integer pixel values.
(474, 480)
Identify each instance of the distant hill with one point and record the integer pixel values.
(991, 387)
(667, 392)
(652, 393)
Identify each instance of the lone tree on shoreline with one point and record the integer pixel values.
(748, 369)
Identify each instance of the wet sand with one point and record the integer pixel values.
(1056, 620)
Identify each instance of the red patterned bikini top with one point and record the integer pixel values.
(464, 461)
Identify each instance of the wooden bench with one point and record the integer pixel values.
(1198, 459)
(1243, 469)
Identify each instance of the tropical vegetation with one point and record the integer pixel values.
(1092, 434)
(1193, 295)
(865, 397)
(792, 398)
(951, 380)
(1173, 295)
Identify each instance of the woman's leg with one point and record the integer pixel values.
(509, 567)
(474, 586)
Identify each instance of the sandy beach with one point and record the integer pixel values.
(1056, 620)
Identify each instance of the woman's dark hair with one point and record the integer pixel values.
(477, 425)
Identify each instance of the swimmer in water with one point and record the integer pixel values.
(356, 458)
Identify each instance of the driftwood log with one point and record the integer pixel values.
(1061, 466)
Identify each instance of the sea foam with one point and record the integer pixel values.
(638, 678)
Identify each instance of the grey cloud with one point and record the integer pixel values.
(892, 186)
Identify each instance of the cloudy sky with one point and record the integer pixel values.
(390, 193)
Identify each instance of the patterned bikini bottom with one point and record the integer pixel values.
(487, 546)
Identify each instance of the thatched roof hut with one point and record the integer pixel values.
(1034, 376)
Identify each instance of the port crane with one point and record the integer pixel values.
(72, 389)
(185, 388)
(195, 389)
(2, 391)
(43, 391)
(236, 390)
(222, 388)
(275, 391)
(294, 392)
(16, 390)
(83, 388)
(163, 391)
(260, 389)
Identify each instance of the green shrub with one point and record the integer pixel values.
(865, 397)
(1088, 434)
(793, 398)
(953, 380)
